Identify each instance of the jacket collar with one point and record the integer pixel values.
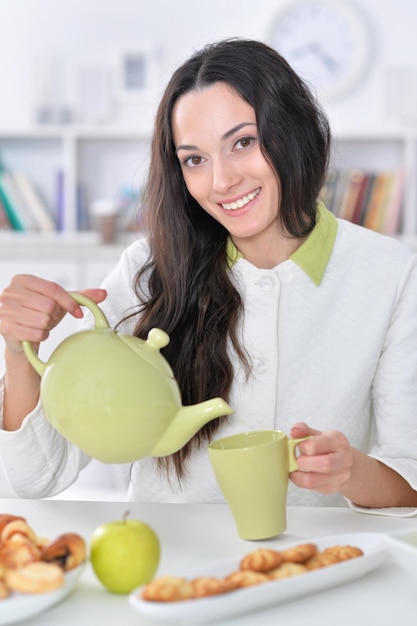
(314, 254)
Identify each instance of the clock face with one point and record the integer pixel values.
(325, 41)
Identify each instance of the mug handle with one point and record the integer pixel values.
(292, 457)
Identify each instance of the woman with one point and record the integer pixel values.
(300, 321)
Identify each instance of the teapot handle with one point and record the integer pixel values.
(99, 319)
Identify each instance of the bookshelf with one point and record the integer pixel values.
(381, 151)
(96, 160)
(102, 159)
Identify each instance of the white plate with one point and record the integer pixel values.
(261, 596)
(403, 546)
(20, 606)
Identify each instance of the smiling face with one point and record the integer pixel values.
(216, 140)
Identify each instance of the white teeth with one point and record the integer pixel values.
(232, 206)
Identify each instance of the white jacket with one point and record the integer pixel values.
(332, 333)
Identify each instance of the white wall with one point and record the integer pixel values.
(76, 33)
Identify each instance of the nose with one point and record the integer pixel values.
(225, 175)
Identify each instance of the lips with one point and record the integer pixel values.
(232, 206)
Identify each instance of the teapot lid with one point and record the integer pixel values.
(149, 350)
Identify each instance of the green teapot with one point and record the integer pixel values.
(115, 396)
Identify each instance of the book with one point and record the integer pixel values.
(83, 222)
(339, 191)
(34, 203)
(377, 200)
(353, 186)
(10, 201)
(362, 199)
(391, 219)
(4, 220)
(59, 200)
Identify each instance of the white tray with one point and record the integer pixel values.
(257, 597)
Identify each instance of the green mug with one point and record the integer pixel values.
(252, 471)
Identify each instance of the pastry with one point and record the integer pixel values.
(17, 529)
(261, 560)
(5, 518)
(209, 586)
(167, 589)
(285, 570)
(68, 551)
(245, 578)
(343, 553)
(4, 592)
(16, 553)
(32, 564)
(257, 567)
(36, 577)
(321, 559)
(300, 553)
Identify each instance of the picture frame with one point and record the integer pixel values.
(137, 74)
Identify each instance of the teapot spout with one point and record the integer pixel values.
(187, 422)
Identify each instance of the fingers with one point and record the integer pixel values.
(302, 430)
(96, 295)
(325, 461)
(30, 307)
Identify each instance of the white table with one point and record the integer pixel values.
(196, 535)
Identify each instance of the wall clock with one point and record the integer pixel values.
(327, 42)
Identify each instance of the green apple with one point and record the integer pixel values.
(124, 554)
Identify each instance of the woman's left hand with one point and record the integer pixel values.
(325, 460)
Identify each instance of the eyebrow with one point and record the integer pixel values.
(226, 135)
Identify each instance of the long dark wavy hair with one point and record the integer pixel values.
(189, 292)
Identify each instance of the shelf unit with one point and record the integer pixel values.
(384, 150)
(101, 159)
(104, 158)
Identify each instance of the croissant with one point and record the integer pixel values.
(5, 518)
(35, 577)
(67, 550)
(4, 591)
(17, 529)
(14, 554)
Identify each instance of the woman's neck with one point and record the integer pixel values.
(269, 254)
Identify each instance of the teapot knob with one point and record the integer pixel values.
(157, 338)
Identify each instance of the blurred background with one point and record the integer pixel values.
(64, 55)
(79, 83)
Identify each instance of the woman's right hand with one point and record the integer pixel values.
(30, 307)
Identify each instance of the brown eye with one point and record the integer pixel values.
(193, 161)
(244, 142)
